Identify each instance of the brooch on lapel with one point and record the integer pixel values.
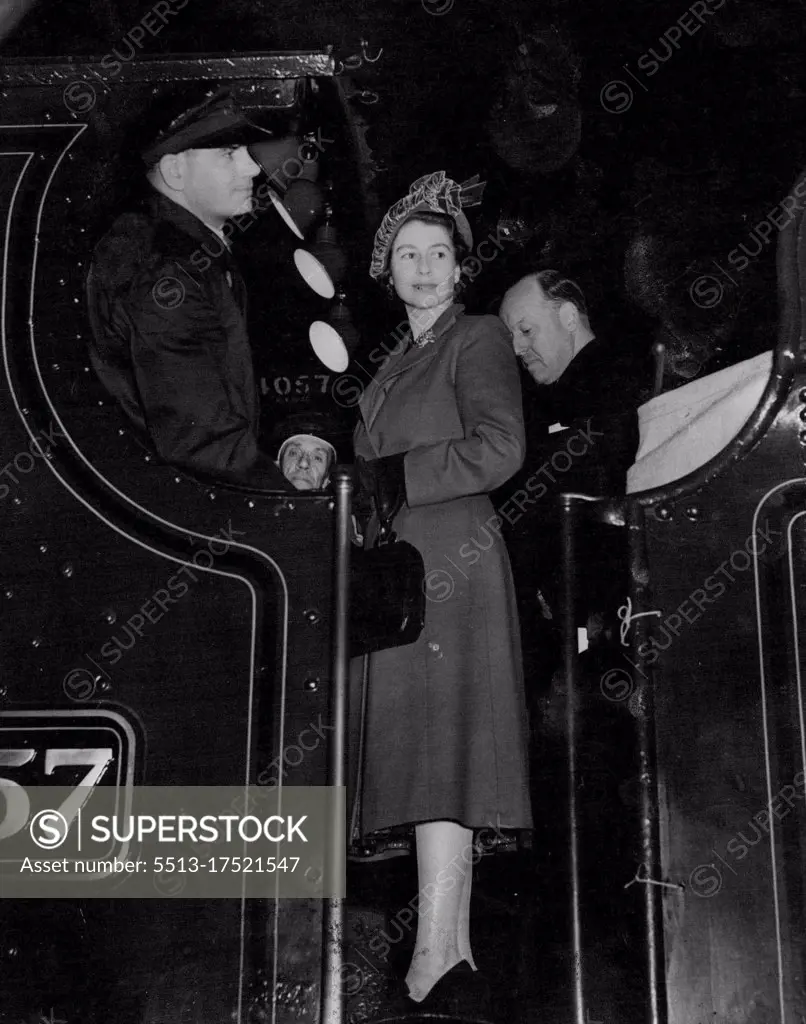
(426, 338)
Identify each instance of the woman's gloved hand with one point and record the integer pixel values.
(385, 480)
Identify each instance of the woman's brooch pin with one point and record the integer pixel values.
(425, 338)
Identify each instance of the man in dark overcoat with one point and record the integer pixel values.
(574, 382)
(580, 401)
(167, 302)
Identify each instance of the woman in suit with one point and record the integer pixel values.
(441, 426)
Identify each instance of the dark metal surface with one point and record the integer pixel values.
(227, 680)
(644, 714)
(335, 919)
(713, 632)
(216, 67)
(610, 815)
(721, 643)
(569, 626)
(727, 728)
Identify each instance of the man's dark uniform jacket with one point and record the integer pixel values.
(170, 342)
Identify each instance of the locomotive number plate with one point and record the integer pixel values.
(76, 751)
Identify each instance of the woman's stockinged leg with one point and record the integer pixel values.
(465, 952)
(444, 869)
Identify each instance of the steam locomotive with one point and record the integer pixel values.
(161, 630)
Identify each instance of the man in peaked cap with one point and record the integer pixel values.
(168, 321)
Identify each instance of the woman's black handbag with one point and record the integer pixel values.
(387, 596)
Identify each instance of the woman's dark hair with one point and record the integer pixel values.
(444, 220)
(561, 289)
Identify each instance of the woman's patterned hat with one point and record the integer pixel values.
(432, 192)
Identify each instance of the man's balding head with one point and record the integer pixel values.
(547, 316)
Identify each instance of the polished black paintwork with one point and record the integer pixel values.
(713, 682)
(210, 687)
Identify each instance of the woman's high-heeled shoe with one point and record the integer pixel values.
(461, 995)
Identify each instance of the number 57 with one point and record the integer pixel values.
(18, 806)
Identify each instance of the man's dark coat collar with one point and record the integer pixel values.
(165, 209)
(195, 240)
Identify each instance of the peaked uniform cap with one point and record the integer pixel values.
(214, 122)
(434, 192)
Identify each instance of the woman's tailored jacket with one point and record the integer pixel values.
(167, 307)
(445, 720)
